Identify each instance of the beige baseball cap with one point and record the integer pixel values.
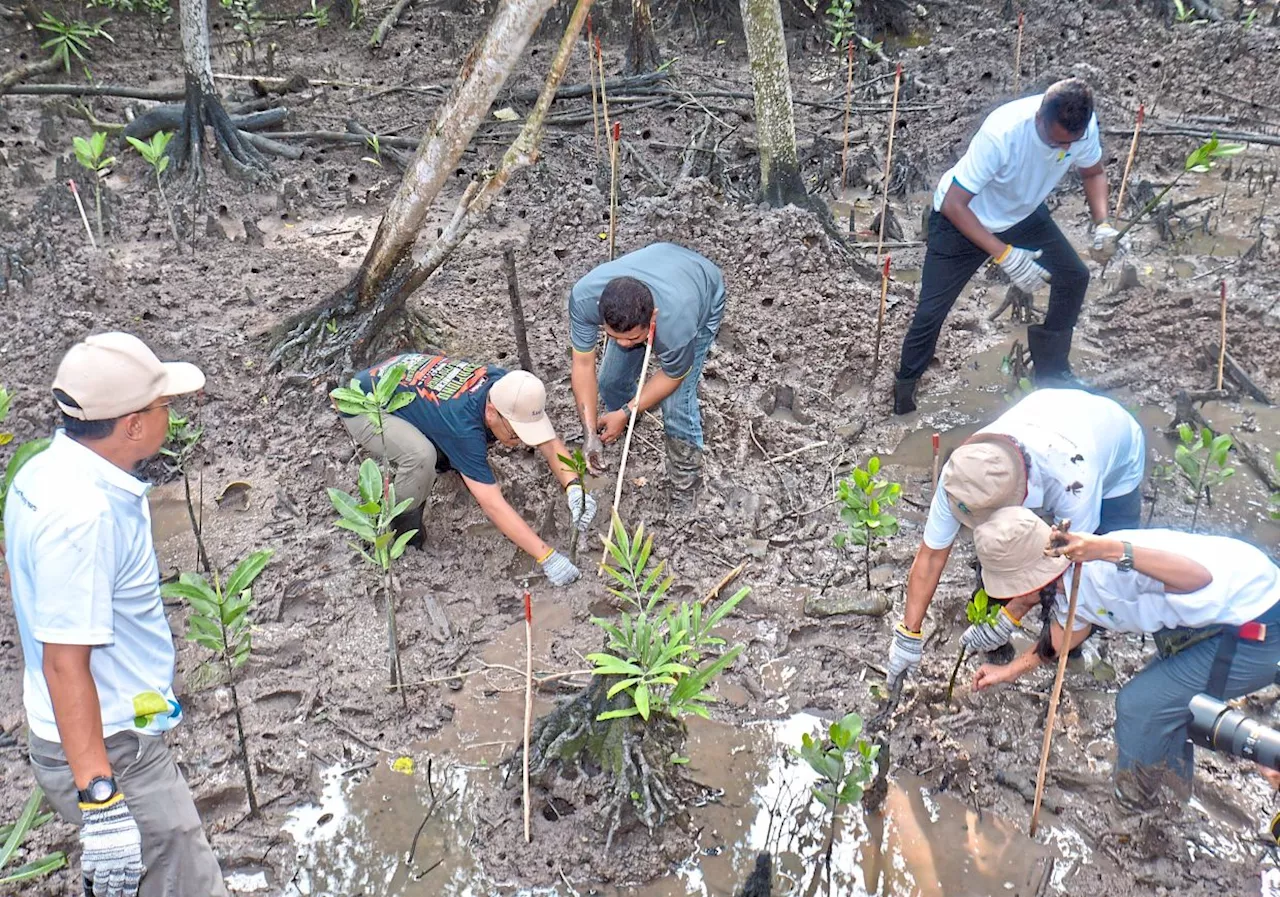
(109, 375)
(985, 473)
(1011, 548)
(521, 398)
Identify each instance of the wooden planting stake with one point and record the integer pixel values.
(528, 703)
(83, 217)
(631, 425)
(848, 108)
(937, 451)
(1076, 571)
(1222, 335)
(888, 164)
(1017, 58)
(615, 136)
(604, 96)
(884, 294)
(591, 79)
(1128, 165)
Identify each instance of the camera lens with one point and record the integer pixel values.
(1219, 727)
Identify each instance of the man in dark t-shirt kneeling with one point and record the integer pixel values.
(459, 407)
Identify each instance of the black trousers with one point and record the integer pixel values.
(1121, 512)
(950, 260)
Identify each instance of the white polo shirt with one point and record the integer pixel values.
(83, 571)
(1245, 585)
(1082, 447)
(1010, 170)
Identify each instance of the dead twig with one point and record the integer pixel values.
(724, 581)
(388, 22)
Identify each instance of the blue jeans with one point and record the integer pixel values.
(620, 373)
(1151, 710)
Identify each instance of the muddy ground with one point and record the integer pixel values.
(790, 373)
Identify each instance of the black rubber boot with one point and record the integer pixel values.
(684, 471)
(410, 519)
(1050, 357)
(904, 396)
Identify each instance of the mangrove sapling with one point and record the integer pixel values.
(845, 763)
(219, 620)
(578, 465)
(155, 152)
(23, 453)
(71, 39)
(376, 404)
(863, 499)
(89, 153)
(981, 611)
(370, 515)
(1201, 459)
(180, 443)
(659, 662)
(13, 834)
(1202, 159)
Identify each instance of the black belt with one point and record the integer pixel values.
(1172, 641)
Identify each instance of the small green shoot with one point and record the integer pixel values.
(317, 15)
(1201, 160)
(864, 500)
(1201, 460)
(375, 147)
(845, 763)
(980, 611)
(90, 153)
(577, 463)
(841, 21)
(155, 153)
(71, 38)
(12, 836)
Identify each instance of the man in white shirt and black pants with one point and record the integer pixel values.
(991, 206)
(98, 651)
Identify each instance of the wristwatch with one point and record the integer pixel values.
(1126, 560)
(100, 790)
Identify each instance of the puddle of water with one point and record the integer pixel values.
(1215, 245)
(169, 519)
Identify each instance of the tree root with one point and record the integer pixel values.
(240, 159)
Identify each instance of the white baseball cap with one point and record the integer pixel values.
(521, 398)
(109, 375)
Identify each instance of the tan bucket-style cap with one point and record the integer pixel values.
(985, 473)
(109, 375)
(521, 398)
(1010, 547)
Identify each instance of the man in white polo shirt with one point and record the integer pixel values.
(991, 206)
(1072, 454)
(98, 651)
(1212, 604)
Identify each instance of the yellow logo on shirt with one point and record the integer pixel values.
(150, 704)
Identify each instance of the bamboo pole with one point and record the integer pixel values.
(528, 703)
(631, 425)
(888, 166)
(83, 217)
(1056, 695)
(1222, 335)
(595, 114)
(1128, 165)
(848, 108)
(614, 137)
(884, 295)
(1017, 58)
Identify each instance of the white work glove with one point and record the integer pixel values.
(904, 653)
(1107, 243)
(989, 636)
(1023, 269)
(111, 850)
(582, 506)
(559, 569)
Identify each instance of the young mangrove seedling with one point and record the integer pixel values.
(981, 611)
(1200, 161)
(219, 621)
(578, 465)
(153, 151)
(845, 763)
(841, 22)
(180, 443)
(376, 404)
(375, 147)
(1201, 459)
(89, 153)
(863, 499)
(71, 39)
(23, 453)
(14, 833)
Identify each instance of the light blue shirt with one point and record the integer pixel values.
(83, 571)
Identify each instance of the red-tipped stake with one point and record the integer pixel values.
(1133, 152)
(1017, 58)
(937, 446)
(884, 295)
(83, 217)
(528, 703)
(1222, 335)
(888, 164)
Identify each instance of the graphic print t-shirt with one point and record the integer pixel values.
(448, 407)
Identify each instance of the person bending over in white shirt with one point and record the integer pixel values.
(991, 206)
(1212, 603)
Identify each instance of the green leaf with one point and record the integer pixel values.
(873, 465)
(364, 530)
(402, 542)
(248, 571)
(26, 821)
(618, 714)
(36, 869)
(399, 400)
(370, 481)
(641, 697)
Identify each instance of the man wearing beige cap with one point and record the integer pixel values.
(1211, 603)
(98, 652)
(458, 408)
(1066, 452)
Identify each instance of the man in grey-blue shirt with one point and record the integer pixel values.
(679, 293)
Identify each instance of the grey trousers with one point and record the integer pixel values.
(176, 852)
(412, 455)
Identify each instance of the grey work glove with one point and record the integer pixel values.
(1023, 269)
(904, 653)
(582, 506)
(111, 850)
(593, 451)
(989, 636)
(559, 569)
(1107, 243)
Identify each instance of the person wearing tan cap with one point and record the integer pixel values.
(1066, 452)
(1212, 604)
(98, 651)
(458, 408)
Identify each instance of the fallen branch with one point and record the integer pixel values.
(97, 90)
(575, 91)
(23, 72)
(1237, 375)
(804, 448)
(267, 145)
(1201, 133)
(724, 581)
(342, 137)
(388, 22)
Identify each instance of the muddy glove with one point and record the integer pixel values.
(559, 569)
(111, 850)
(904, 653)
(593, 451)
(989, 636)
(1023, 269)
(582, 506)
(1107, 243)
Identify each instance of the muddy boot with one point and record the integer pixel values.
(904, 396)
(410, 519)
(684, 466)
(1050, 351)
